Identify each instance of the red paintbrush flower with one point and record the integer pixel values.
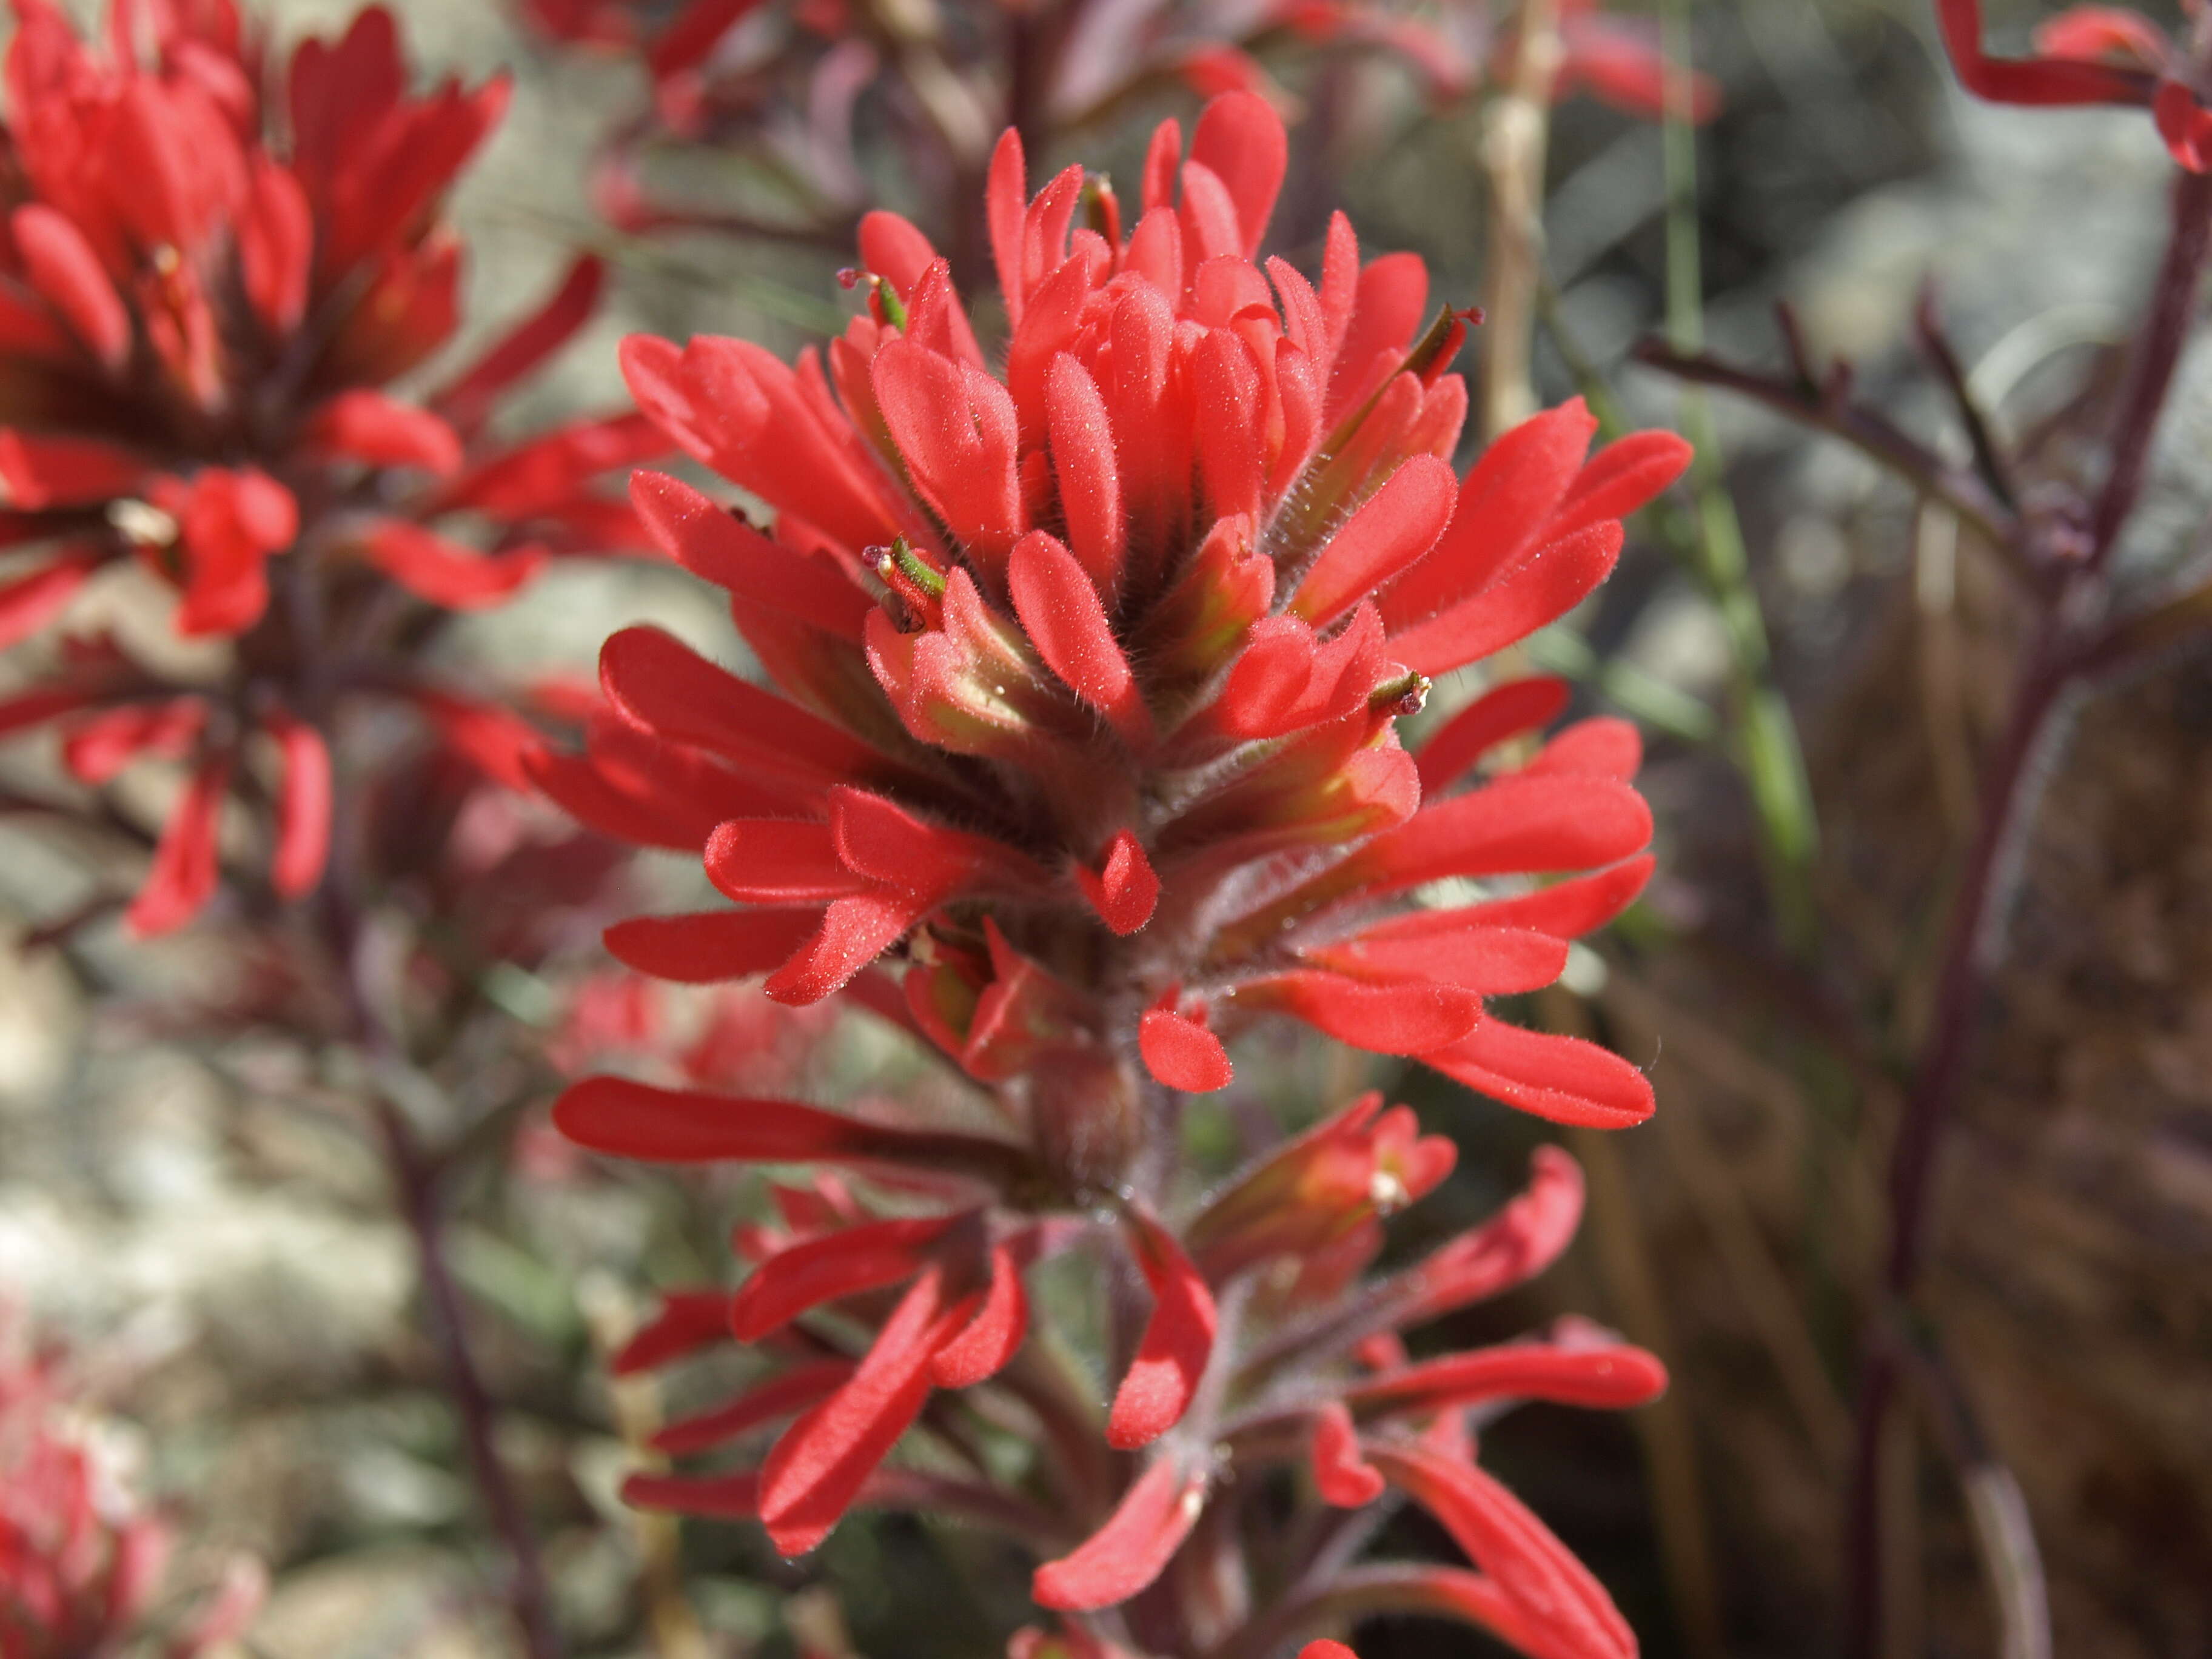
(83, 1560)
(197, 320)
(1082, 752)
(1089, 675)
(2091, 55)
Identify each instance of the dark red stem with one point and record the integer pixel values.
(414, 1181)
(2065, 644)
(2157, 353)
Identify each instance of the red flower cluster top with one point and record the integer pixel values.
(204, 290)
(1089, 672)
(1083, 752)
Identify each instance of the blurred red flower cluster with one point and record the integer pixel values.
(198, 321)
(83, 1562)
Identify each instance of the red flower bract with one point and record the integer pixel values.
(208, 276)
(1104, 657)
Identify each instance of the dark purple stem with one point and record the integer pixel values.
(2157, 353)
(414, 1179)
(2054, 665)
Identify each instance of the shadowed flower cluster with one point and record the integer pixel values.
(207, 279)
(1084, 755)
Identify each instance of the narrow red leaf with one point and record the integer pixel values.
(303, 807)
(991, 1339)
(780, 1397)
(1061, 611)
(373, 427)
(712, 946)
(1132, 1549)
(184, 868)
(688, 1321)
(626, 1119)
(1342, 1476)
(1389, 533)
(1504, 711)
(1178, 1340)
(1565, 1079)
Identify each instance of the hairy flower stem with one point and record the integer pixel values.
(416, 1187)
(2062, 649)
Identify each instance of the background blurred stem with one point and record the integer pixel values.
(1516, 130)
(414, 1179)
(1765, 735)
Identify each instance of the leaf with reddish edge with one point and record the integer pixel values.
(1410, 1016)
(1607, 1375)
(1060, 610)
(1563, 1079)
(1342, 1476)
(713, 543)
(626, 1119)
(1392, 529)
(1515, 1245)
(1123, 889)
(1517, 1550)
(303, 807)
(711, 947)
(1569, 908)
(29, 603)
(816, 1469)
(444, 573)
(1504, 711)
(1603, 747)
(688, 1321)
(781, 1396)
(1178, 1339)
(373, 427)
(991, 1339)
(833, 1266)
(1181, 1053)
(1132, 1549)
(184, 868)
(1538, 590)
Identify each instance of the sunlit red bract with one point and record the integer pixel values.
(1082, 754)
